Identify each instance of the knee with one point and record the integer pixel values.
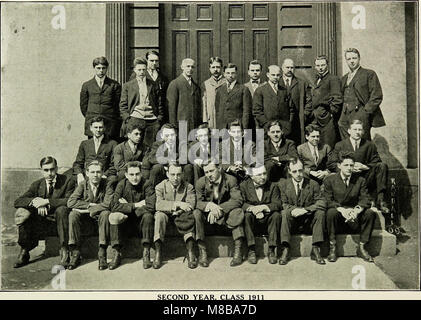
(369, 214)
(62, 212)
(248, 216)
(148, 218)
(275, 216)
(381, 166)
(319, 215)
(286, 215)
(160, 217)
(331, 213)
(21, 216)
(198, 215)
(104, 216)
(74, 217)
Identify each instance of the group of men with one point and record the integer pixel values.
(125, 184)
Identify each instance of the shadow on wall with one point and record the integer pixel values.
(399, 172)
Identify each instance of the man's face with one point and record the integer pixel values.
(320, 66)
(94, 174)
(356, 131)
(212, 172)
(313, 138)
(236, 133)
(140, 71)
(259, 175)
(274, 74)
(288, 68)
(215, 69)
(275, 133)
(100, 70)
(135, 136)
(153, 62)
(97, 129)
(230, 74)
(133, 175)
(296, 171)
(352, 60)
(169, 136)
(188, 67)
(175, 175)
(346, 167)
(254, 71)
(49, 171)
(202, 136)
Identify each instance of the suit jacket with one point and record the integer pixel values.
(63, 188)
(184, 102)
(337, 194)
(369, 93)
(286, 150)
(209, 93)
(306, 157)
(268, 106)
(133, 194)
(366, 153)
(151, 157)
(165, 196)
(96, 101)
(226, 147)
(233, 105)
(229, 193)
(326, 99)
(270, 197)
(86, 154)
(83, 196)
(310, 197)
(123, 154)
(250, 87)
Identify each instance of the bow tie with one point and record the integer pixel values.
(255, 81)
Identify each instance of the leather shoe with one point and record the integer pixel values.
(203, 255)
(75, 260)
(191, 257)
(116, 260)
(102, 259)
(332, 253)
(22, 259)
(251, 257)
(146, 256)
(284, 256)
(315, 255)
(237, 259)
(362, 253)
(64, 257)
(272, 256)
(157, 261)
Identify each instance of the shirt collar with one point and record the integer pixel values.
(187, 78)
(343, 178)
(286, 77)
(141, 80)
(232, 84)
(93, 187)
(53, 181)
(218, 182)
(355, 71)
(131, 144)
(311, 146)
(99, 140)
(298, 183)
(273, 85)
(353, 142)
(277, 145)
(99, 80)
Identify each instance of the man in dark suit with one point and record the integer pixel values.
(348, 206)
(278, 150)
(42, 210)
(314, 155)
(133, 207)
(362, 95)
(262, 205)
(326, 101)
(140, 100)
(270, 101)
(90, 203)
(367, 162)
(232, 101)
(254, 71)
(184, 98)
(219, 204)
(100, 148)
(299, 96)
(303, 209)
(100, 97)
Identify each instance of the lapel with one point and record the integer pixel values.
(304, 192)
(294, 82)
(349, 146)
(233, 91)
(106, 84)
(168, 191)
(42, 189)
(88, 192)
(350, 186)
(253, 193)
(149, 84)
(95, 85)
(222, 188)
(356, 76)
(184, 81)
(102, 144)
(309, 155)
(271, 92)
(100, 191)
(265, 193)
(292, 192)
(209, 189)
(59, 183)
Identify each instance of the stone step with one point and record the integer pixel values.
(382, 243)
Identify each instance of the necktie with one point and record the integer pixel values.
(96, 142)
(316, 155)
(287, 82)
(215, 191)
(50, 189)
(346, 181)
(189, 81)
(259, 193)
(357, 145)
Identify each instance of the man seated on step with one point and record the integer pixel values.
(303, 210)
(42, 210)
(313, 155)
(90, 204)
(348, 206)
(278, 150)
(133, 207)
(219, 203)
(368, 163)
(99, 147)
(262, 206)
(175, 201)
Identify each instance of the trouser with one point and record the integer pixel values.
(202, 224)
(274, 171)
(270, 224)
(160, 227)
(376, 178)
(82, 223)
(336, 224)
(151, 130)
(308, 223)
(348, 116)
(328, 134)
(192, 173)
(35, 227)
(140, 221)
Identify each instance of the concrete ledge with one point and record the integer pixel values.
(382, 243)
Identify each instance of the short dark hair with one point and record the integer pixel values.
(352, 50)
(134, 124)
(96, 119)
(48, 160)
(274, 123)
(343, 155)
(137, 61)
(173, 164)
(100, 60)
(215, 59)
(322, 57)
(356, 121)
(294, 160)
(133, 164)
(204, 125)
(254, 62)
(310, 128)
(230, 65)
(95, 163)
(169, 126)
(154, 52)
(235, 123)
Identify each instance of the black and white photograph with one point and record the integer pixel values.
(205, 150)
